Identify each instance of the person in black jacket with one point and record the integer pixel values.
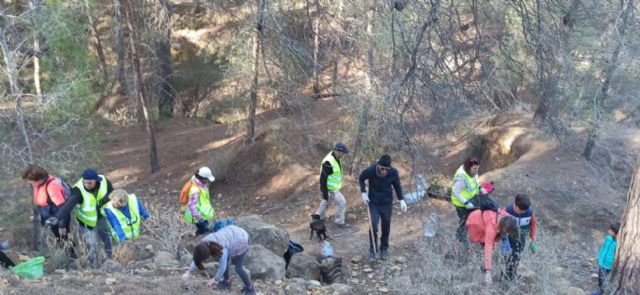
(382, 177)
(90, 193)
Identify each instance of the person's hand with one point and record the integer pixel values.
(62, 231)
(488, 279)
(4, 245)
(213, 283)
(533, 247)
(483, 191)
(403, 206)
(469, 205)
(51, 221)
(365, 197)
(186, 275)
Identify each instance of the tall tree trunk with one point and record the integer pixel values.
(142, 95)
(120, 82)
(35, 5)
(162, 46)
(625, 275)
(93, 28)
(542, 110)
(604, 91)
(316, 47)
(366, 112)
(257, 39)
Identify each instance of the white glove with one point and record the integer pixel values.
(488, 279)
(365, 198)
(403, 206)
(186, 275)
(469, 205)
(483, 191)
(51, 221)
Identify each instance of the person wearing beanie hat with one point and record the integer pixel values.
(91, 194)
(199, 210)
(331, 184)
(382, 179)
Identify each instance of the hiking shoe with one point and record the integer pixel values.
(372, 257)
(224, 285)
(343, 225)
(384, 254)
(248, 291)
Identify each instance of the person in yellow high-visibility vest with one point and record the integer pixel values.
(331, 184)
(199, 210)
(124, 213)
(465, 188)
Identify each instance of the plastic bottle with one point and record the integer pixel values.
(327, 249)
(431, 226)
(421, 190)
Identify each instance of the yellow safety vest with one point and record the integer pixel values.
(130, 226)
(334, 181)
(88, 213)
(471, 189)
(204, 204)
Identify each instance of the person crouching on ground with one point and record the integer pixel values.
(230, 243)
(487, 227)
(123, 213)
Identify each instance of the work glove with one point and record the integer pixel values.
(365, 197)
(186, 275)
(4, 245)
(488, 279)
(403, 206)
(469, 205)
(533, 247)
(213, 283)
(51, 221)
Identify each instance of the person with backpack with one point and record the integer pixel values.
(124, 212)
(521, 210)
(198, 209)
(91, 194)
(229, 244)
(606, 256)
(50, 193)
(382, 178)
(331, 184)
(488, 227)
(465, 188)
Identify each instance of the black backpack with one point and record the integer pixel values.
(484, 202)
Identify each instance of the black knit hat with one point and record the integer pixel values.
(385, 161)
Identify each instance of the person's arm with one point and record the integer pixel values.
(533, 228)
(142, 211)
(222, 264)
(363, 176)
(115, 225)
(397, 186)
(193, 202)
(324, 175)
(107, 197)
(458, 186)
(65, 211)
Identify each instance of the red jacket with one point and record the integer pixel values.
(55, 192)
(483, 229)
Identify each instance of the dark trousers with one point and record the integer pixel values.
(513, 259)
(603, 273)
(380, 214)
(5, 261)
(461, 233)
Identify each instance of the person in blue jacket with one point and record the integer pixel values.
(606, 256)
(124, 213)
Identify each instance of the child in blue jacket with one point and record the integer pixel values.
(606, 256)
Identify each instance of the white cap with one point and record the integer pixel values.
(206, 173)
